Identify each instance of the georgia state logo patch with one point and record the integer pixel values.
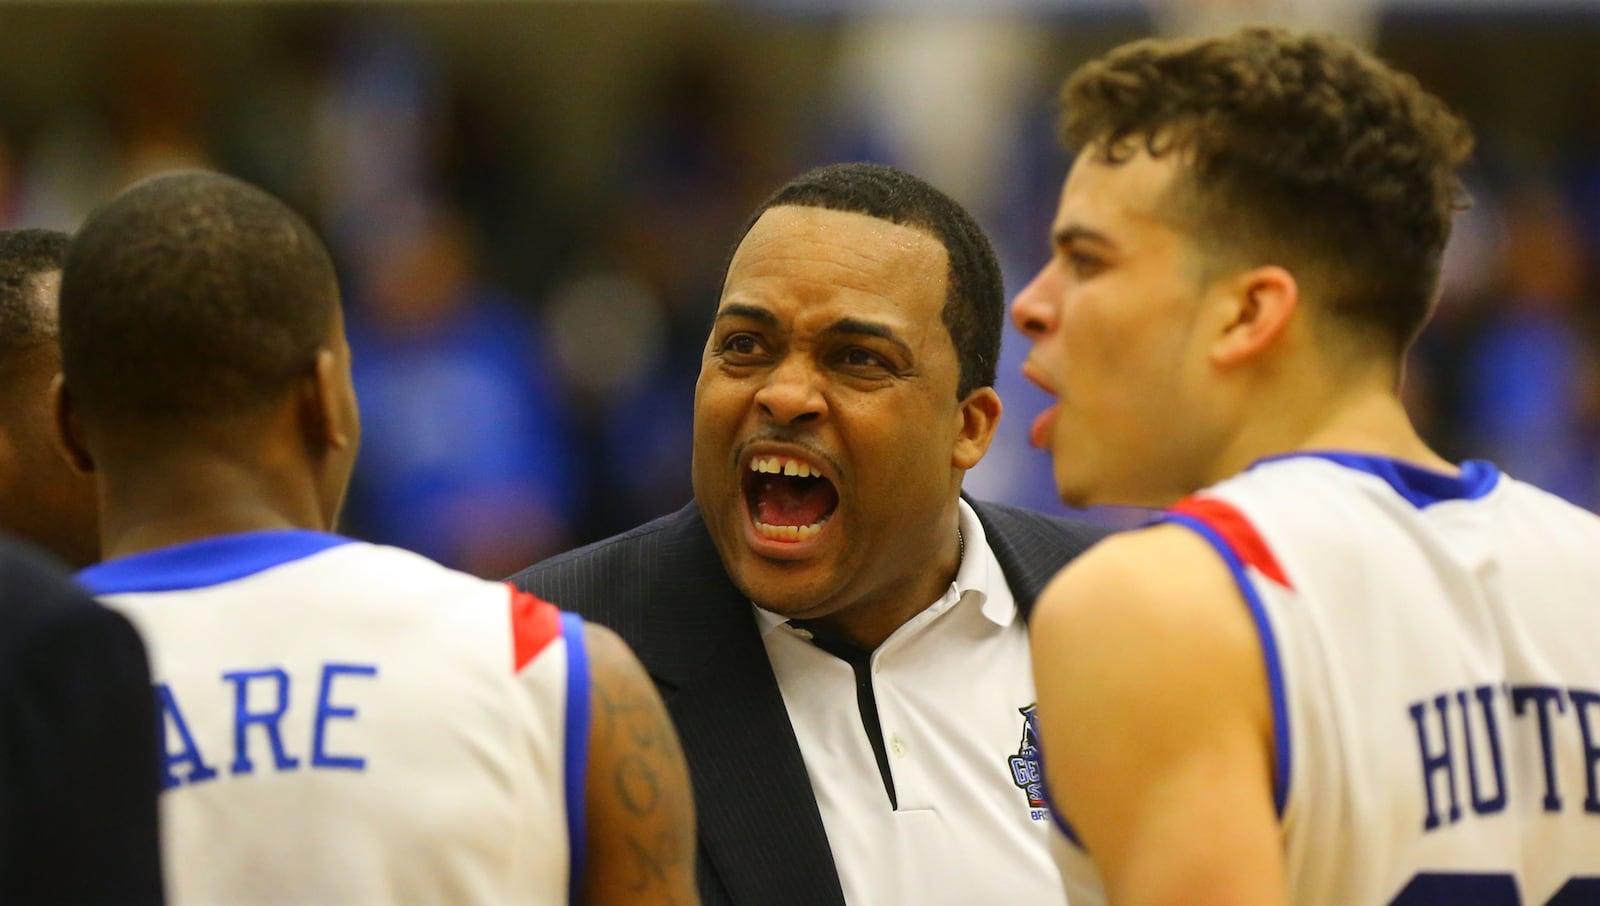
(1026, 772)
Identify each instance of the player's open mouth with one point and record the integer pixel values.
(1039, 433)
(788, 499)
(1044, 423)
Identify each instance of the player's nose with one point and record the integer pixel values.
(1033, 311)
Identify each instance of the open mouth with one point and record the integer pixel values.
(788, 499)
(1044, 422)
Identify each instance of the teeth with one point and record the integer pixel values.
(778, 465)
(789, 532)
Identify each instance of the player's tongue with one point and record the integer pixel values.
(784, 500)
(1039, 434)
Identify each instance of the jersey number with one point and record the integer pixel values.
(1439, 889)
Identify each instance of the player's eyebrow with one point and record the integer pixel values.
(1069, 234)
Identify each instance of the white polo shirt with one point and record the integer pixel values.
(951, 688)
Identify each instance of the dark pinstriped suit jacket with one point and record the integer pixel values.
(661, 587)
(80, 752)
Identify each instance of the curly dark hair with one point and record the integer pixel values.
(975, 303)
(1301, 150)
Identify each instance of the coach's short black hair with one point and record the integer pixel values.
(25, 256)
(974, 308)
(192, 295)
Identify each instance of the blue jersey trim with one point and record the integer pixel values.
(577, 749)
(1269, 651)
(210, 561)
(1418, 486)
(1054, 808)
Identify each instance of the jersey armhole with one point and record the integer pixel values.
(1231, 534)
(535, 623)
(576, 749)
(1052, 806)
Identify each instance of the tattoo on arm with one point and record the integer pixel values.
(642, 772)
(626, 716)
(637, 785)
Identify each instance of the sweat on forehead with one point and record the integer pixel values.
(975, 306)
(864, 251)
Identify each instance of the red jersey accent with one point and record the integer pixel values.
(1236, 530)
(534, 623)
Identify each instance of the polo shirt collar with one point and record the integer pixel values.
(978, 580)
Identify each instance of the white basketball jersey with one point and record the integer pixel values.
(345, 723)
(1432, 646)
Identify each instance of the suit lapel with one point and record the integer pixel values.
(758, 817)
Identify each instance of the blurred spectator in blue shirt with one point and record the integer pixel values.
(1530, 375)
(466, 456)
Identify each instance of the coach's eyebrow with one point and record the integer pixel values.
(754, 313)
(846, 327)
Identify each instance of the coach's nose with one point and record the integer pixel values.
(792, 394)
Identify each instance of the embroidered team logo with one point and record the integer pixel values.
(1026, 772)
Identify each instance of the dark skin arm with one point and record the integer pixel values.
(641, 834)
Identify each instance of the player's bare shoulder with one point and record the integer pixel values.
(1149, 674)
(1163, 578)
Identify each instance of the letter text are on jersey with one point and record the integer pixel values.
(183, 762)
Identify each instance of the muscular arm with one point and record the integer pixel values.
(1156, 723)
(641, 840)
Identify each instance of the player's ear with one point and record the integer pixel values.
(326, 401)
(976, 417)
(68, 430)
(1257, 308)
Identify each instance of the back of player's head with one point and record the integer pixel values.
(974, 309)
(192, 296)
(41, 499)
(1299, 150)
(27, 257)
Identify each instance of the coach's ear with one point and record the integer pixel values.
(68, 431)
(976, 419)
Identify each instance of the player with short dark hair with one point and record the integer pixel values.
(185, 324)
(41, 499)
(1338, 669)
(342, 722)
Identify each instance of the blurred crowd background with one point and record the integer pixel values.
(531, 204)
